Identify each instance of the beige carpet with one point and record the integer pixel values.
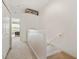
(19, 50)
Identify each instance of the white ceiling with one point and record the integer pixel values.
(18, 6)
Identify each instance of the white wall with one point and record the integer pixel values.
(60, 18)
(29, 21)
(5, 32)
(31, 32)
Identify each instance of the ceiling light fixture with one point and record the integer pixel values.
(31, 11)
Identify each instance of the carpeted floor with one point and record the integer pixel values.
(20, 50)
